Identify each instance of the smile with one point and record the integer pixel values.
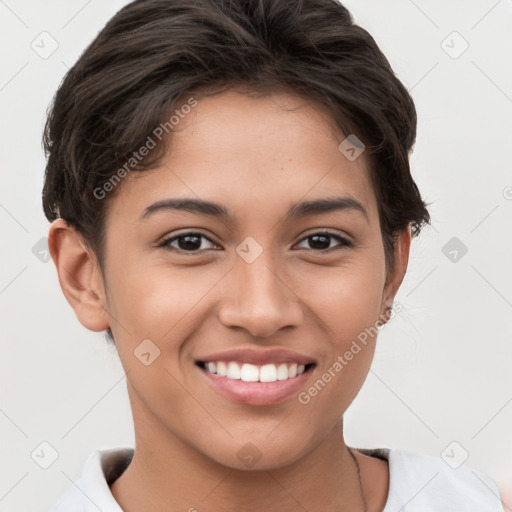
(254, 373)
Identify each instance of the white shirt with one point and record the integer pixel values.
(417, 483)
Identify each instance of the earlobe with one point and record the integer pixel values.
(79, 276)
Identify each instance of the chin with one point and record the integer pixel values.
(260, 453)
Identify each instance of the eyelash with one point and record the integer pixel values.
(344, 242)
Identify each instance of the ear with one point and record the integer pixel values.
(402, 247)
(79, 275)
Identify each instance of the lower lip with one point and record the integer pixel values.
(256, 393)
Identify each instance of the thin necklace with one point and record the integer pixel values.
(359, 477)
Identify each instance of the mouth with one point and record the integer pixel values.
(247, 372)
(256, 378)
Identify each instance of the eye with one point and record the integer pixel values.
(192, 242)
(186, 242)
(321, 241)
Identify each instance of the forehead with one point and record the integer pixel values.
(252, 153)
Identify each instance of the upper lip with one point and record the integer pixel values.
(259, 357)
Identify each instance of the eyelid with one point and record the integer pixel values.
(327, 231)
(167, 240)
(344, 240)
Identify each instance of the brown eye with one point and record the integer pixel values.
(186, 242)
(321, 242)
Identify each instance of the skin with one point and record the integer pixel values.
(257, 158)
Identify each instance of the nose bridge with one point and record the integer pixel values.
(258, 297)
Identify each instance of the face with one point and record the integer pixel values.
(255, 283)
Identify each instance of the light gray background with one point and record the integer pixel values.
(442, 371)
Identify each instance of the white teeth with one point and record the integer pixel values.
(268, 373)
(249, 373)
(233, 370)
(253, 373)
(282, 372)
(222, 369)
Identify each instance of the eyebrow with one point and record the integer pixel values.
(302, 209)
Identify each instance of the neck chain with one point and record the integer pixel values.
(359, 477)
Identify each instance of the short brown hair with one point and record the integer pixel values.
(153, 53)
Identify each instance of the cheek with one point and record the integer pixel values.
(349, 309)
(347, 299)
(162, 304)
(153, 312)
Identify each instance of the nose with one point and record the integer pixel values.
(258, 298)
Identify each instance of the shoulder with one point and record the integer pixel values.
(91, 492)
(424, 483)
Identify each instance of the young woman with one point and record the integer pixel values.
(231, 201)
